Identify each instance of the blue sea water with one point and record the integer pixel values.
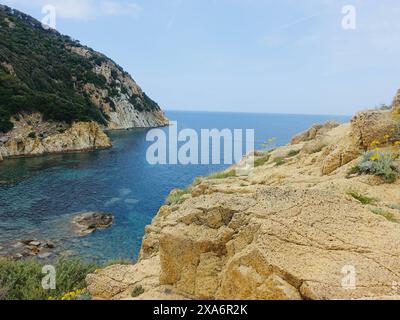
(38, 196)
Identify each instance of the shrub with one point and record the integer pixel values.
(261, 161)
(22, 280)
(175, 197)
(388, 215)
(137, 291)
(222, 175)
(378, 164)
(279, 161)
(293, 153)
(363, 199)
(394, 206)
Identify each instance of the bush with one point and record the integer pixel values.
(279, 161)
(394, 206)
(363, 199)
(22, 280)
(137, 291)
(387, 215)
(175, 197)
(293, 153)
(378, 164)
(222, 175)
(261, 161)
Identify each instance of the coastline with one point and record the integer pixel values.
(276, 234)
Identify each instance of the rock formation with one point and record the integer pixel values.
(88, 222)
(33, 136)
(57, 95)
(298, 230)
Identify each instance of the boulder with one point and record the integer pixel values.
(374, 126)
(314, 131)
(88, 222)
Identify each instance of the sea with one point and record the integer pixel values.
(40, 195)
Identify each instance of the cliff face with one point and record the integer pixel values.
(302, 226)
(33, 136)
(51, 83)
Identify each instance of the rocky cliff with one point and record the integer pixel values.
(33, 136)
(57, 95)
(308, 223)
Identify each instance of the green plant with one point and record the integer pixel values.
(175, 197)
(354, 170)
(22, 280)
(379, 164)
(222, 175)
(261, 161)
(363, 199)
(137, 291)
(394, 206)
(197, 181)
(279, 161)
(292, 153)
(387, 215)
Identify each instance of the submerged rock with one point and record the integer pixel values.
(88, 222)
(28, 248)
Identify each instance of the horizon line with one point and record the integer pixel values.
(258, 112)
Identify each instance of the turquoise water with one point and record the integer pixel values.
(38, 196)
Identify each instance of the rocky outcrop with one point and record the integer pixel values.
(27, 249)
(88, 222)
(33, 136)
(298, 230)
(128, 106)
(374, 125)
(315, 131)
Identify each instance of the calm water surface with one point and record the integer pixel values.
(39, 195)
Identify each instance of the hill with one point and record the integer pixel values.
(51, 75)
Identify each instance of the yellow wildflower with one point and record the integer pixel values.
(375, 143)
(386, 137)
(374, 157)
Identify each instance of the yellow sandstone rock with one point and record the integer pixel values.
(285, 232)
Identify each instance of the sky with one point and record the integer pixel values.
(269, 56)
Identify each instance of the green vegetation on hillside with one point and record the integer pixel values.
(47, 77)
(22, 280)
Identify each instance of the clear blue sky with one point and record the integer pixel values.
(281, 56)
